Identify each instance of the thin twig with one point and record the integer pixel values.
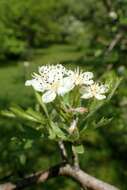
(63, 151)
(114, 42)
(73, 126)
(75, 158)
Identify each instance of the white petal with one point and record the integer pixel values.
(100, 96)
(28, 83)
(87, 78)
(103, 88)
(66, 85)
(35, 84)
(88, 82)
(87, 95)
(48, 96)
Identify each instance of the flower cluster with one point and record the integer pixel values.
(54, 80)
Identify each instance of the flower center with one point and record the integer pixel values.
(94, 89)
(77, 78)
(55, 86)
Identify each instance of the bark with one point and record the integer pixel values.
(84, 179)
(63, 151)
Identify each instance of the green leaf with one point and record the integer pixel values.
(37, 115)
(52, 134)
(22, 159)
(79, 149)
(28, 144)
(30, 114)
(58, 131)
(95, 106)
(7, 114)
(19, 112)
(103, 121)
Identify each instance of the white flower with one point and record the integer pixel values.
(81, 78)
(52, 72)
(59, 87)
(96, 91)
(52, 80)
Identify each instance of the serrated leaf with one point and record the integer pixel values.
(30, 114)
(37, 115)
(19, 112)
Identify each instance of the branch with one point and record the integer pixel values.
(114, 42)
(73, 126)
(63, 151)
(84, 179)
(75, 158)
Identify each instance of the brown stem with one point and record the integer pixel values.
(84, 179)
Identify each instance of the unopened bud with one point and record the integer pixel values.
(80, 110)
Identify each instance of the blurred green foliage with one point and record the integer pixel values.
(88, 33)
(87, 24)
